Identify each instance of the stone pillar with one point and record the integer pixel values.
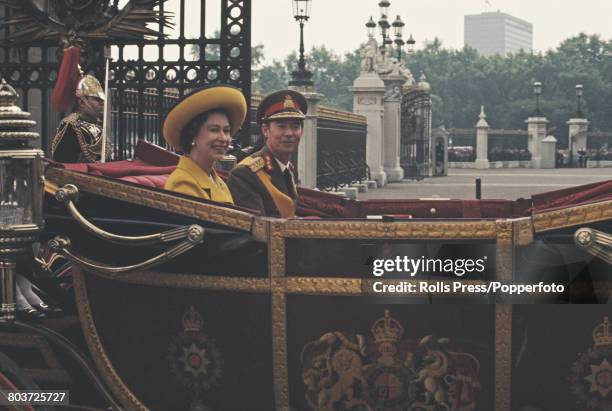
(391, 128)
(536, 128)
(482, 141)
(368, 92)
(549, 153)
(307, 150)
(578, 128)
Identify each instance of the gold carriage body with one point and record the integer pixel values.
(279, 317)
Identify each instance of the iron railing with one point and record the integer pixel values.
(223, 57)
(140, 119)
(341, 153)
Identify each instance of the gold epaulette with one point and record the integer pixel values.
(254, 163)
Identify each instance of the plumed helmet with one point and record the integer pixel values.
(89, 86)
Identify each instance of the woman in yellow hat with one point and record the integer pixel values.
(200, 125)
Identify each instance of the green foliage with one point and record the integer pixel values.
(332, 74)
(463, 80)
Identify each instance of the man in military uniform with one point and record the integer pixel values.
(79, 135)
(266, 180)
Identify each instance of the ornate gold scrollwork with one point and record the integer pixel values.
(194, 235)
(595, 242)
(68, 195)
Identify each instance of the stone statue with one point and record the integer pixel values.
(368, 54)
(384, 63)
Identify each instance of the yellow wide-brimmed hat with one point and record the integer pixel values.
(200, 101)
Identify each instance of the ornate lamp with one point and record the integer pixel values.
(384, 26)
(301, 13)
(398, 27)
(21, 193)
(410, 44)
(384, 7)
(579, 92)
(371, 25)
(537, 91)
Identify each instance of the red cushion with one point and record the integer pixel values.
(572, 196)
(157, 181)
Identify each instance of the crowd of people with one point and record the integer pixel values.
(563, 157)
(582, 155)
(468, 154)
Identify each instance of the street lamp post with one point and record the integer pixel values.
(301, 13)
(579, 101)
(537, 91)
(398, 27)
(384, 25)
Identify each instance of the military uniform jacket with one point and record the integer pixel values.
(78, 141)
(258, 183)
(188, 178)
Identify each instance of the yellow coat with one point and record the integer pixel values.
(190, 179)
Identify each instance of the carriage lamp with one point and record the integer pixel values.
(21, 192)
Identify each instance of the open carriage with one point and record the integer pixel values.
(229, 310)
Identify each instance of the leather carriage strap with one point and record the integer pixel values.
(284, 204)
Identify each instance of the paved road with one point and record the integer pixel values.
(500, 183)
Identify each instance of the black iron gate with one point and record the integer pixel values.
(147, 75)
(415, 134)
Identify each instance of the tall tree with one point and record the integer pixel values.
(462, 81)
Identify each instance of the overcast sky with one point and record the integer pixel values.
(339, 24)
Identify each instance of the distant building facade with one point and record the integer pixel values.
(497, 33)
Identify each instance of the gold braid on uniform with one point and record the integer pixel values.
(90, 151)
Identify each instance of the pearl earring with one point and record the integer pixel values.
(193, 144)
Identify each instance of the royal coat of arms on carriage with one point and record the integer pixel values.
(591, 375)
(194, 359)
(345, 371)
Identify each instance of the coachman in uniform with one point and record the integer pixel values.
(266, 180)
(79, 135)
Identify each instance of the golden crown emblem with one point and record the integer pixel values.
(601, 334)
(289, 102)
(387, 329)
(192, 320)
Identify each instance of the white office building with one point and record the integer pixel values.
(497, 33)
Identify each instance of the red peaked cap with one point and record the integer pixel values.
(67, 80)
(282, 104)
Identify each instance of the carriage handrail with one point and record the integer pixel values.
(61, 244)
(594, 242)
(68, 195)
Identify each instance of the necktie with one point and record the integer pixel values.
(288, 181)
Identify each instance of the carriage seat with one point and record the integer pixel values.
(152, 165)
(157, 181)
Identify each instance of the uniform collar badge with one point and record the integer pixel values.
(269, 163)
